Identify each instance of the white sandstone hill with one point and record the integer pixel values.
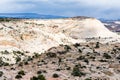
(40, 35)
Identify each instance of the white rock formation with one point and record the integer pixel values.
(40, 35)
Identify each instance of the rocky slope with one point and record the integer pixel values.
(23, 41)
(84, 61)
(39, 35)
(43, 34)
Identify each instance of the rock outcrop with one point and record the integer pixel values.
(40, 35)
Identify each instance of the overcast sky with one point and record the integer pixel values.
(94, 8)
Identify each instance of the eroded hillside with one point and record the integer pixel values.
(95, 56)
(40, 35)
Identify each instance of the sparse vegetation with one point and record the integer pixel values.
(31, 49)
(107, 56)
(39, 77)
(51, 55)
(88, 79)
(21, 72)
(55, 75)
(18, 76)
(5, 52)
(77, 72)
(18, 59)
(63, 60)
(1, 73)
(97, 45)
(76, 44)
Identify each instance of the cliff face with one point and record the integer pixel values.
(40, 35)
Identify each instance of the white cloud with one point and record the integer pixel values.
(96, 8)
(12, 6)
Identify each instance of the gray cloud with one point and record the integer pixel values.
(94, 8)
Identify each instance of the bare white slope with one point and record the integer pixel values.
(40, 35)
(89, 28)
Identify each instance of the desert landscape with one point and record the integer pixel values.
(77, 48)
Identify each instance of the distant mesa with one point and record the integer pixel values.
(81, 17)
(29, 16)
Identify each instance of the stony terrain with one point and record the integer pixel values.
(93, 61)
(79, 48)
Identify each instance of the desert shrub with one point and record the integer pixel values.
(107, 56)
(19, 52)
(67, 48)
(34, 78)
(92, 57)
(97, 45)
(6, 64)
(21, 72)
(29, 58)
(55, 75)
(20, 64)
(59, 60)
(51, 55)
(80, 58)
(114, 49)
(62, 52)
(39, 72)
(5, 52)
(18, 59)
(118, 57)
(80, 50)
(39, 77)
(2, 63)
(88, 79)
(76, 72)
(26, 62)
(68, 68)
(1, 73)
(76, 45)
(18, 76)
(86, 60)
(102, 60)
(58, 69)
(36, 55)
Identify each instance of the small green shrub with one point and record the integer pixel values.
(86, 60)
(21, 72)
(88, 79)
(51, 55)
(76, 72)
(107, 56)
(5, 52)
(41, 77)
(18, 76)
(67, 48)
(76, 44)
(81, 58)
(34, 78)
(29, 58)
(55, 75)
(97, 45)
(39, 72)
(1, 73)
(18, 59)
